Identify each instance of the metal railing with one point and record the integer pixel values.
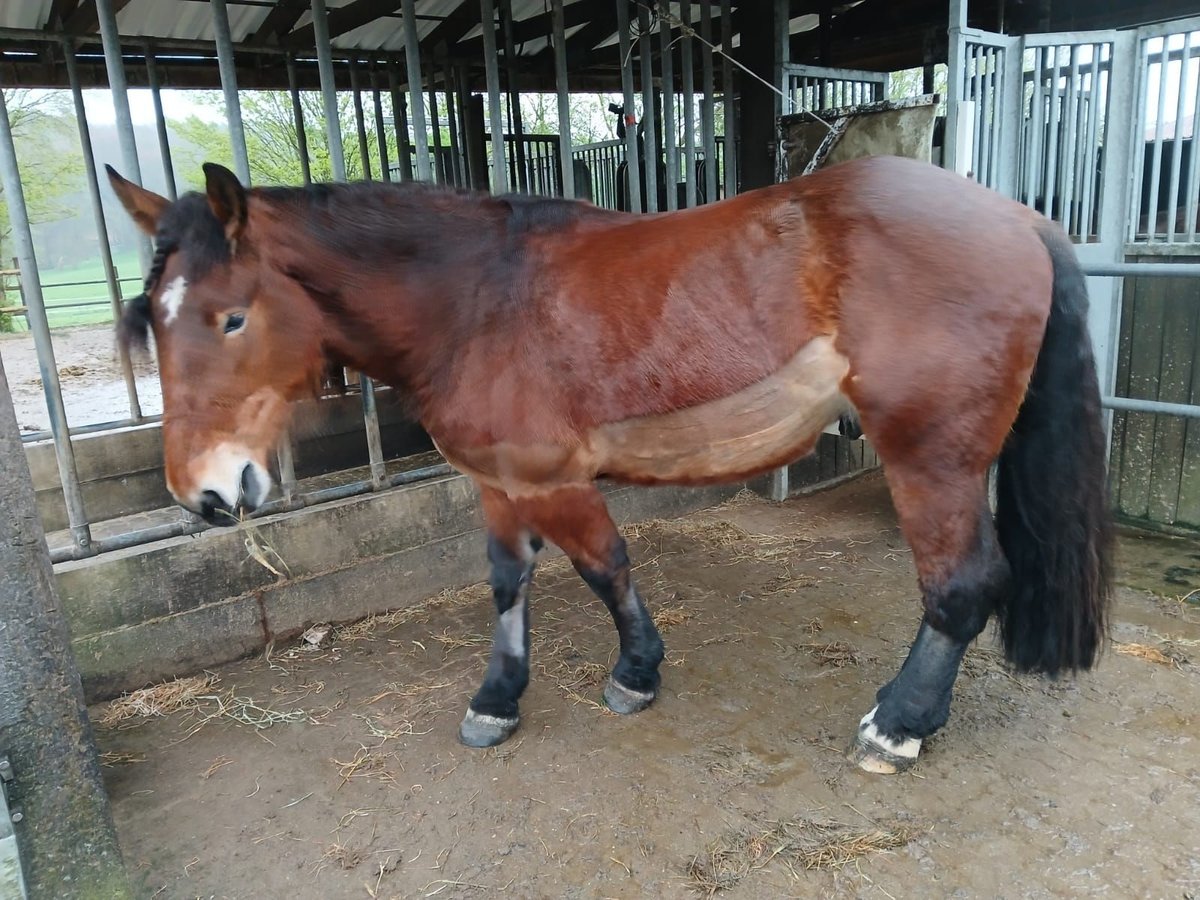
(815, 88)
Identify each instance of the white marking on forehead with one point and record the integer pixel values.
(172, 298)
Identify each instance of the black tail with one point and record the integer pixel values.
(1052, 500)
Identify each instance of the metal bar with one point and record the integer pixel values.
(1051, 181)
(956, 73)
(495, 120)
(729, 99)
(360, 121)
(333, 126)
(1157, 407)
(35, 436)
(512, 79)
(1193, 189)
(650, 131)
(400, 122)
(298, 120)
(977, 95)
(708, 110)
(1150, 270)
(412, 60)
(689, 104)
(287, 470)
(458, 175)
(374, 438)
(435, 126)
(385, 169)
(670, 131)
(115, 67)
(110, 270)
(632, 166)
(566, 159)
(1177, 141)
(22, 237)
(160, 121)
(1070, 151)
(1031, 124)
(228, 70)
(1156, 162)
(68, 842)
(1095, 110)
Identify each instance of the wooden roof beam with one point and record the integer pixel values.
(85, 19)
(280, 21)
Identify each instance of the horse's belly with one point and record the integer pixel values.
(765, 424)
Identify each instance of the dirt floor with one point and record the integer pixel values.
(90, 374)
(334, 771)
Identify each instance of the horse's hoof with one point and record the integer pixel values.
(625, 701)
(877, 753)
(481, 730)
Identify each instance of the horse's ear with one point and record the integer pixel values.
(227, 198)
(144, 207)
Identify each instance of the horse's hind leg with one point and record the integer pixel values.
(512, 548)
(577, 520)
(962, 572)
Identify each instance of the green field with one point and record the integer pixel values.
(82, 283)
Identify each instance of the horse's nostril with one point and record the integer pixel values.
(248, 486)
(214, 508)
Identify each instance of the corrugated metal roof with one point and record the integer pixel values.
(185, 21)
(24, 13)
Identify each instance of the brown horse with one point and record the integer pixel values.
(545, 344)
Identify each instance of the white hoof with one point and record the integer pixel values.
(875, 752)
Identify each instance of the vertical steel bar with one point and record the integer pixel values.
(670, 131)
(400, 122)
(114, 64)
(1051, 182)
(228, 70)
(22, 237)
(1138, 139)
(439, 167)
(298, 120)
(1193, 190)
(709, 126)
(457, 163)
(1037, 112)
(110, 271)
(495, 120)
(650, 145)
(360, 120)
(160, 121)
(1095, 111)
(374, 438)
(956, 73)
(333, 125)
(412, 59)
(729, 96)
(512, 78)
(976, 52)
(566, 159)
(385, 168)
(632, 167)
(1177, 142)
(1070, 148)
(1156, 162)
(689, 103)
(287, 470)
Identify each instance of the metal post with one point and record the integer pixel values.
(233, 107)
(708, 118)
(333, 127)
(632, 169)
(412, 59)
(400, 122)
(954, 88)
(436, 126)
(110, 271)
(457, 167)
(566, 159)
(360, 124)
(385, 169)
(287, 470)
(10, 179)
(689, 104)
(61, 815)
(729, 98)
(495, 120)
(670, 132)
(514, 96)
(160, 121)
(298, 119)
(650, 147)
(115, 67)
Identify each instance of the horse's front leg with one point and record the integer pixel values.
(512, 550)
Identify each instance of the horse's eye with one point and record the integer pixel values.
(235, 322)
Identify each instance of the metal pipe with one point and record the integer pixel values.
(1193, 190)
(1157, 407)
(632, 167)
(670, 132)
(495, 120)
(1093, 122)
(458, 175)
(1156, 162)
(374, 437)
(514, 96)
(1152, 270)
(708, 125)
(65, 830)
(114, 65)
(436, 127)
(110, 270)
(160, 121)
(412, 59)
(333, 126)
(566, 159)
(400, 122)
(1070, 148)
(956, 73)
(298, 120)
(96, 427)
(385, 169)
(650, 131)
(287, 470)
(233, 106)
(689, 104)
(360, 123)
(1177, 142)
(729, 98)
(18, 216)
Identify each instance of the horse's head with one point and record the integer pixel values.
(236, 340)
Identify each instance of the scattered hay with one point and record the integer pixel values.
(459, 641)
(367, 763)
(800, 844)
(838, 654)
(110, 758)
(667, 617)
(219, 763)
(342, 855)
(1165, 654)
(367, 629)
(814, 626)
(158, 700)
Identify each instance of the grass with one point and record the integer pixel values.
(128, 269)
